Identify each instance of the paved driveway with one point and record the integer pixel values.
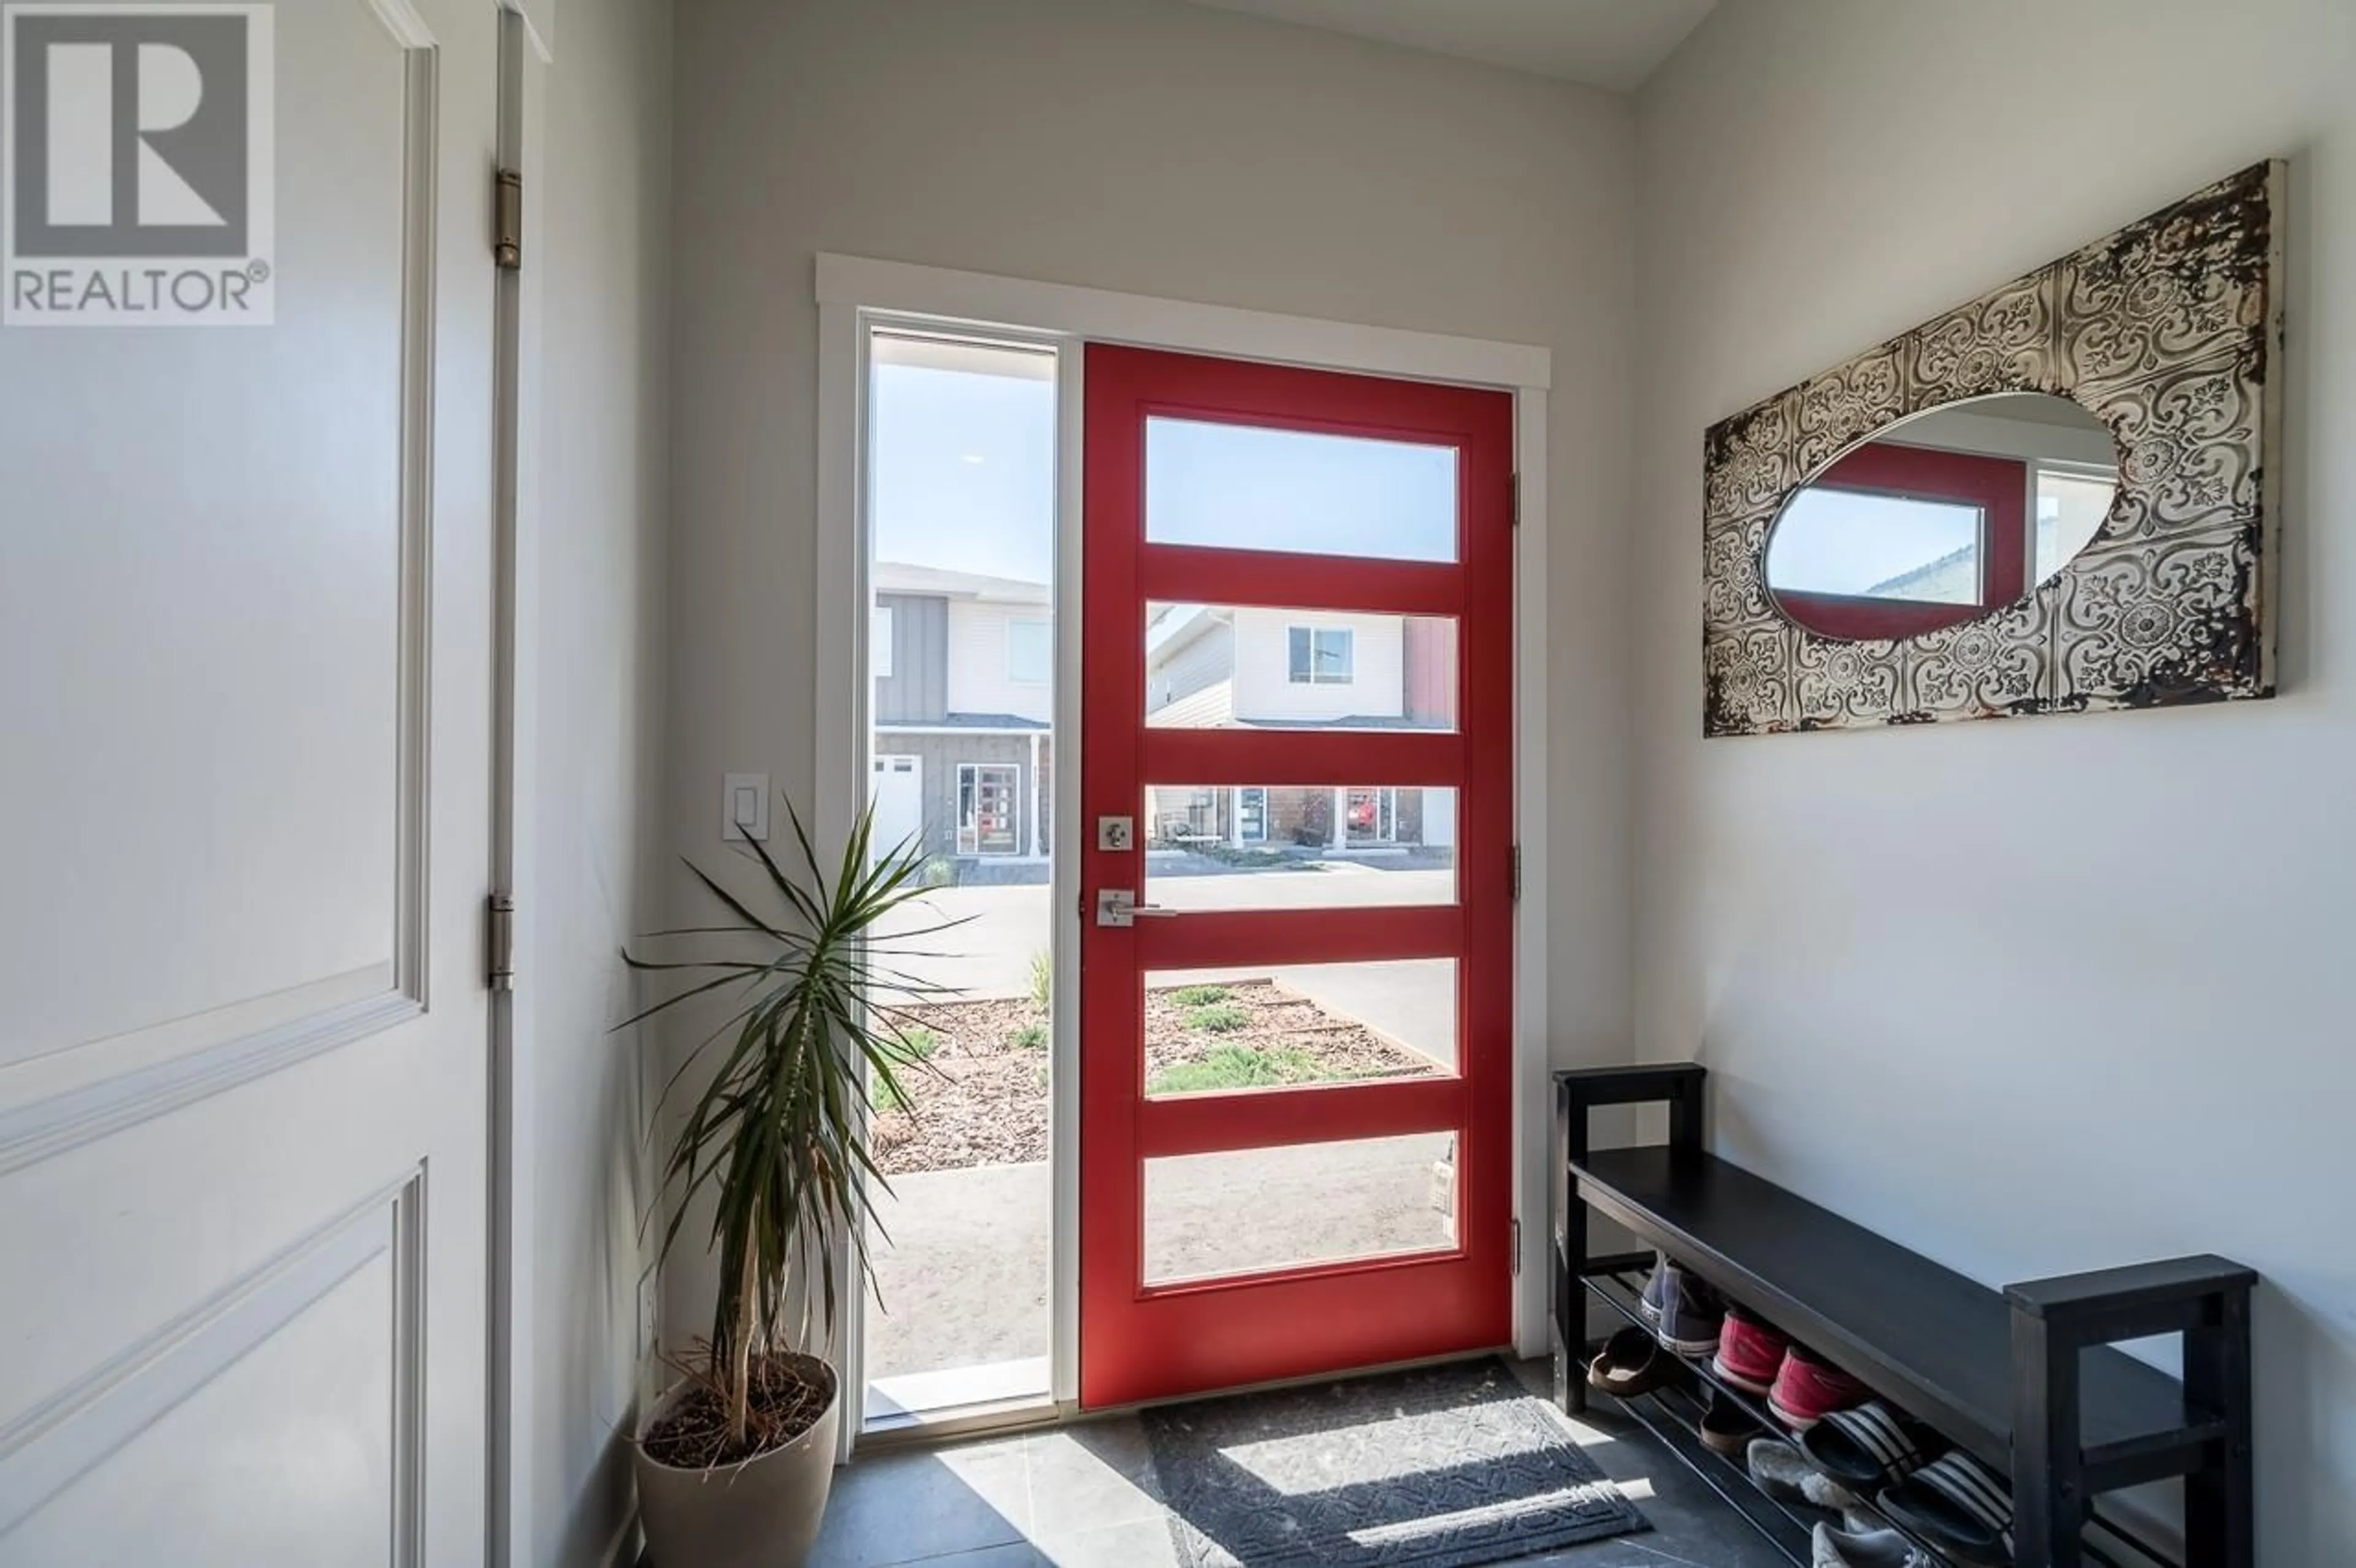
(990, 954)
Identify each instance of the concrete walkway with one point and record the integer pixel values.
(964, 1277)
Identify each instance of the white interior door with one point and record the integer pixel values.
(246, 614)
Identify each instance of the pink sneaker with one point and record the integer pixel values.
(1750, 1352)
(1807, 1390)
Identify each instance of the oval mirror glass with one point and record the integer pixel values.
(1942, 516)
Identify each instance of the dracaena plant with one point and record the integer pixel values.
(777, 1134)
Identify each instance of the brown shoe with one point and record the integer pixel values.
(1632, 1362)
(1725, 1428)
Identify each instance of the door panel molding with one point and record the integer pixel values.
(110, 1105)
(67, 1435)
(420, 241)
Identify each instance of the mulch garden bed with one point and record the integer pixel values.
(981, 1097)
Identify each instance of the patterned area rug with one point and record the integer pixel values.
(1444, 1467)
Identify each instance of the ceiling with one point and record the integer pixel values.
(1602, 43)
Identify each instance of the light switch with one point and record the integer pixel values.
(744, 807)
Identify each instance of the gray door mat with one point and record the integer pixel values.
(1445, 1467)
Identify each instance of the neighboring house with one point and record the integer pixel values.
(1953, 579)
(964, 707)
(1210, 668)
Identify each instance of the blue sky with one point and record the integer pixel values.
(1847, 542)
(1271, 489)
(965, 479)
(964, 471)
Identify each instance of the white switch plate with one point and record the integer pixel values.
(745, 798)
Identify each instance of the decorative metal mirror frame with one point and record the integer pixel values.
(2170, 332)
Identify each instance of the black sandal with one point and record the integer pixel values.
(1960, 1507)
(1869, 1447)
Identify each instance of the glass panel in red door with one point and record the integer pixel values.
(1296, 1053)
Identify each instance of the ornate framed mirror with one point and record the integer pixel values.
(2059, 497)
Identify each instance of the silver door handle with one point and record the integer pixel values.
(1118, 908)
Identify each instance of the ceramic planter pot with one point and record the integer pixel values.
(763, 1513)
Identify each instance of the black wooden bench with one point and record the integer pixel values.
(2026, 1379)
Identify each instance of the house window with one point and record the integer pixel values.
(879, 643)
(1030, 652)
(1373, 817)
(988, 820)
(1323, 656)
(2072, 504)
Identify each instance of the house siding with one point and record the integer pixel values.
(1211, 707)
(1206, 659)
(939, 757)
(1300, 815)
(976, 662)
(1266, 694)
(916, 692)
(1430, 657)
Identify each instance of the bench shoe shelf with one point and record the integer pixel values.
(2026, 1380)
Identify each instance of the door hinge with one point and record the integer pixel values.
(1517, 1245)
(1517, 871)
(499, 965)
(506, 219)
(1517, 500)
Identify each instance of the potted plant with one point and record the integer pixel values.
(733, 1465)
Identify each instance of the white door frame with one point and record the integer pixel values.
(524, 61)
(854, 294)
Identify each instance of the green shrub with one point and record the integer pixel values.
(1043, 980)
(918, 1044)
(1234, 1066)
(1220, 1018)
(1200, 995)
(1031, 1037)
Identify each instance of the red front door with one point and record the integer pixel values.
(1296, 1059)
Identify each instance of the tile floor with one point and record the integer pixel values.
(1083, 1496)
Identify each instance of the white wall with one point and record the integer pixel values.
(2034, 995)
(1960, 430)
(979, 677)
(602, 264)
(1264, 686)
(1160, 148)
(1155, 147)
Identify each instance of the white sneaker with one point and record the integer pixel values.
(1832, 1548)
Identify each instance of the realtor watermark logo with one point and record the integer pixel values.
(136, 172)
